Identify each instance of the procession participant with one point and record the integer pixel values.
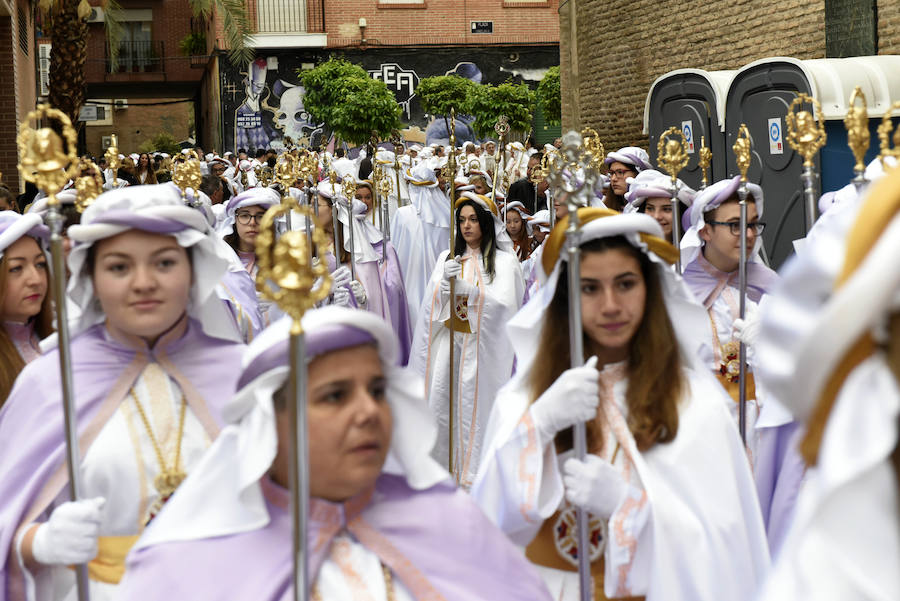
(519, 229)
(419, 232)
(480, 183)
(143, 172)
(385, 523)
(663, 457)
(828, 346)
(385, 159)
(623, 163)
(489, 289)
(650, 192)
(710, 251)
(25, 307)
(523, 190)
(153, 359)
(377, 266)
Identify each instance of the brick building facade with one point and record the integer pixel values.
(611, 51)
(17, 72)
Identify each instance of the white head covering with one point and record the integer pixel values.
(258, 196)
(650, 183)
(707, 200)
(156, 208)
(13, 226)
(541, 220)
(40, 206)
(243, 453)
(689, 319)
(362, 235)
(630, 155)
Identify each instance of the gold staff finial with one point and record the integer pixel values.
(350, 187)
(857, 124)
(742, 151)
(44, 162)
(673, 153)
(112, 153)
(806, 134)
(88, 185)
(592, 143)
(188, 175)
(885, 138)
(704, 160)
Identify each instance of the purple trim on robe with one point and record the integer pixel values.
(32, 447)
(707, 282)
(435, 540)
(241, 288)
(147, 223)
(779, 473)
(386, 293)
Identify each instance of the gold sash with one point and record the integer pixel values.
(733, 388)
(542, 551)
(109, 565)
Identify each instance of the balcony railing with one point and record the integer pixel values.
(137, 57)
(290, 16)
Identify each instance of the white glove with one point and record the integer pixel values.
(340, 277)
(594, 484)
(747, 330)
(70, 535)
(452, 269)
(359, 292)
(572, 399)
(461, 288)
(341, 296)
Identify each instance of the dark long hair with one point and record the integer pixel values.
(655, 379)
(488, 240)
(682, 209)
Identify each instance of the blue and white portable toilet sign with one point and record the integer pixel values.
(776, 137)
(687, 128)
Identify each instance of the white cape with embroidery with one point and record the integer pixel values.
(698, 537)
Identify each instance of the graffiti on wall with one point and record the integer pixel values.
(263, 102)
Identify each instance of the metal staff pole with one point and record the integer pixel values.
(858, 136)
(673, 157)
(45, 164)
(807, 137)
(450, 176)
(742, 152)
(349, 191)
(335, 222)
(288, 265)
(398, 145)
(502, 128)
(574, 158)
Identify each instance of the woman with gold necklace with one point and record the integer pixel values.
(154, 355)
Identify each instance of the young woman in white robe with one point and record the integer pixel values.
(673, 511)
(489, 289)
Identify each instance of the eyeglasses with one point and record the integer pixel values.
(245, 218)
(620, 172)
(735, 226)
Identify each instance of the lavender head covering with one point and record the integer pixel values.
(707, 200)
(157, 209)
(264, 197)
(653, 184)
(13, 226)
(630, 155)
(249, 444)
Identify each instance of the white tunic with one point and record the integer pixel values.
(120, 466)
(689, 527)
(351, 572)
(483, 359)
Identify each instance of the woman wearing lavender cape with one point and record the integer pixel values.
(154, 355)
(386, 521)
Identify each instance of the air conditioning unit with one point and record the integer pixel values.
(120, 103)
(97, 15)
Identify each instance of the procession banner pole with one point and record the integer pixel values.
(806, 136)
(575, 157)
(742, 152)
(45, 164)
(858, 136)
(673, 157)
(451, 177)
(299, 283)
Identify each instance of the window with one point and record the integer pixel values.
(23, 31)
(44, 69)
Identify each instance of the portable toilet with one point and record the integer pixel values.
(760, 95)
(693, 100)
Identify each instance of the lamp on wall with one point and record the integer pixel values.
(362, 29)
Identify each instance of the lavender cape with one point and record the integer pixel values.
(32, 444)
(436, 541)
(706, 282)
(240, 297)
(386, 293)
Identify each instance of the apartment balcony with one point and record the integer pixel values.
(137, 57)
(289, 24)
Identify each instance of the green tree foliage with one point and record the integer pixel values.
(326, 86)
(161, 142)
(438, 95)
(488, 102)
(366, 107)
(549, 97)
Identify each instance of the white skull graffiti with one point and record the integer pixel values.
(291, 117)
